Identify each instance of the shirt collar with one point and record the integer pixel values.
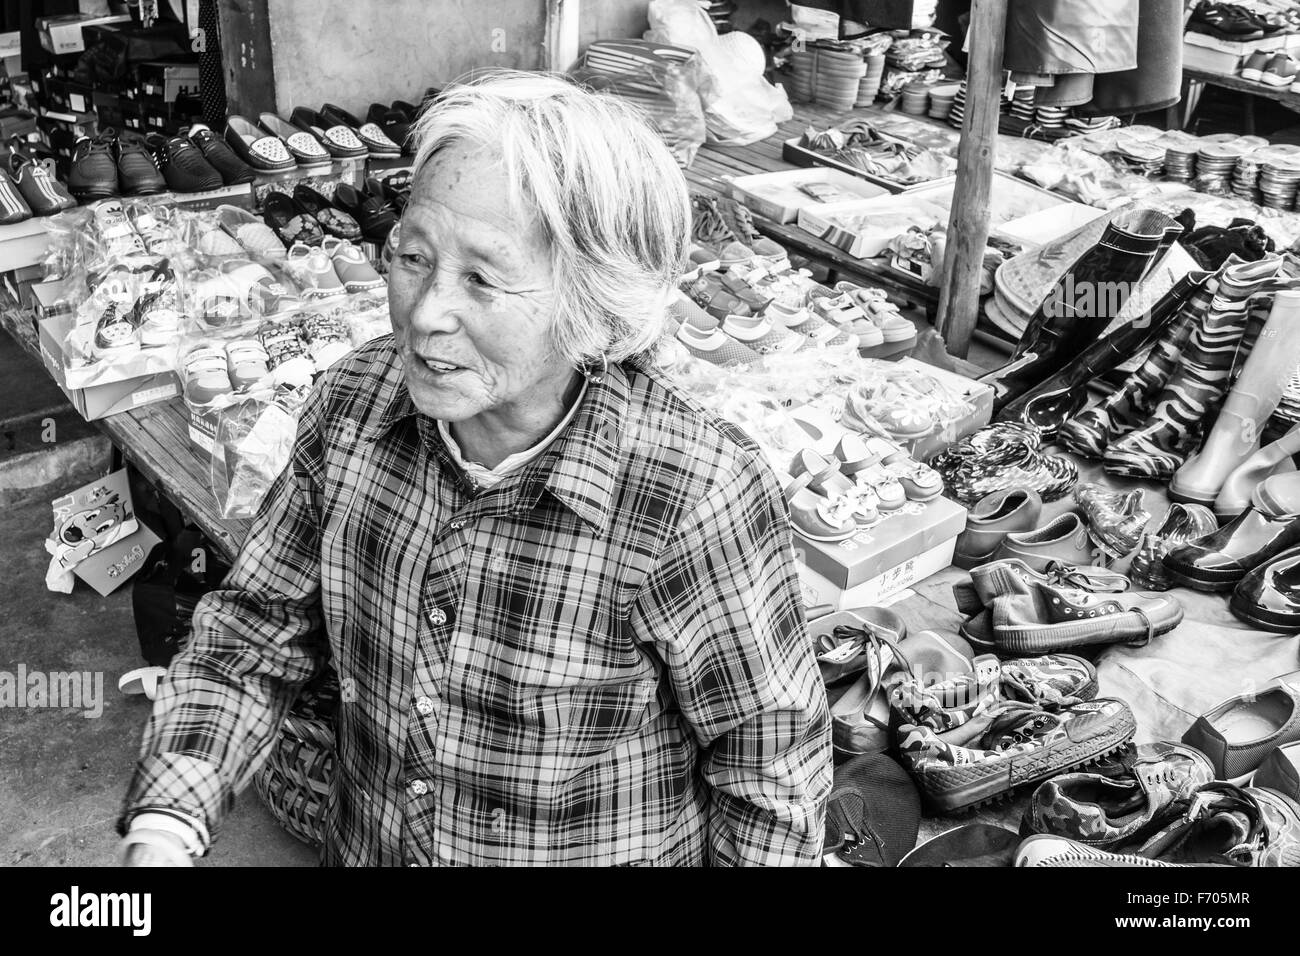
(581, 466)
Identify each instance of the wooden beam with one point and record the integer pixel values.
(968, 220)
(246, 57)
(562, 35)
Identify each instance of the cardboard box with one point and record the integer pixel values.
(100, 401)
(167, 81)
(240, 195)
(877, 591)
(97, 535)
(978, 394)
(798, 155)
(897, 538)
(11, 44)
(22, 244)
(777, 196)
(61, 35)
(53, 297)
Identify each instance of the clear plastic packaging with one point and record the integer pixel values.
(254, 443)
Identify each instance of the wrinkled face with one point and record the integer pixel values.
(471, 295)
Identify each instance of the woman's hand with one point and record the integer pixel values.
(154, 848)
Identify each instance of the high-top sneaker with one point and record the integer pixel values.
(38, 186)
(1195, 389)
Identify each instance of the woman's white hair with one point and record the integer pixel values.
(602, 185)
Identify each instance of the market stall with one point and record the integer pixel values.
(1051, 597)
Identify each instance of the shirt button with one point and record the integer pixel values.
(424, 705)
(437, 617)
(412, 864)
(419, 788)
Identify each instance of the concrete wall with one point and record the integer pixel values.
(355, 52)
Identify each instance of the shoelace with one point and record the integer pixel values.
(1091, 578)
(709, 226)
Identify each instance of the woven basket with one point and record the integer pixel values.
(294, 783)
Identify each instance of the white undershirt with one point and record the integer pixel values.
(486, 477)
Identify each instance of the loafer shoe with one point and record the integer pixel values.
(1269, 596)
(220, 156)
(1218, 561)
(256, 147)
(394, 124)
(1026, 614)
(289, 221)
(1011, 745)
(40, 190)
(339, 139)
(137, 173)
(1108, 812)
(1280, 771)
(93, 174)
(1063, 540)
(333, 221)
(375, 139)
(304, 146)
(13, 208)
(182, 164)
(373, 215)
(1241, 731)
(994, 517)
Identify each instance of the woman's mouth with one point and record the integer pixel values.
(437, 367)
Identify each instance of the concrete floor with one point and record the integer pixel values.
(62, 776)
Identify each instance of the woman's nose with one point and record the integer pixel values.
(436, 309)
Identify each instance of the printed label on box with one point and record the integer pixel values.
(147, 396)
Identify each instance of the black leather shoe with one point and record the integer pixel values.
(290, 221)
(182, 165)
(1269, 596)
(333, 221)
(258, 148)
(339, 139)
(233, 170)
(137, 174)
(393, 122)
(305, 146)
(377, 142)
(374, 215)
(1271, 525)
(94, 169)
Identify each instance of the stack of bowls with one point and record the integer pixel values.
(915, 100)
(1180, 155)
(869, 85)
(942, 98)
(1217, 160)
(1245, 178)
(1279, 180)
(837, 77)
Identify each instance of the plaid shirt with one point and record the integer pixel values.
(600, 661)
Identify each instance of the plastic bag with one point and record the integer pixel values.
(740, 106)
(253, 444)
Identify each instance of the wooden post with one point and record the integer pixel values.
(968, 220)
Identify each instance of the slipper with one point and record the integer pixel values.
(142, 680)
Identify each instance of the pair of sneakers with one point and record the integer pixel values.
(212, 370)
(336, 267)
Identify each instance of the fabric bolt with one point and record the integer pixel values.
(1156, 83)
(1070, 89)
(602, 660)
(1065, 36)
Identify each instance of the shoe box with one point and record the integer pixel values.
(107, 394)
(63, 34)
(904, 547)
(22, 244)
(977, 395)
(97, 534)
(1213, 55)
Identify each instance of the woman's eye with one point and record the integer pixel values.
(476, 278)
(413, 259)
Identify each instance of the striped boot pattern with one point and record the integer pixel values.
(1192, 396)
(1089, 432)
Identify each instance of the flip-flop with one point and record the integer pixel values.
(142, 680)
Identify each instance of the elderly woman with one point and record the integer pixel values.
(559, 596)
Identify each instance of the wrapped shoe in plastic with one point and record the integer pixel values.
(1115, 519)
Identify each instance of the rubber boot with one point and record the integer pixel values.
(1252, 399)
(1046, 406)
(1196, 388)
(1126, 408)
(1274, 459)
(1083, 301)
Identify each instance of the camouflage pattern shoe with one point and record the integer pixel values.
(1044, 850)
(1109, 812)
(1233, 826)
(1010, 745)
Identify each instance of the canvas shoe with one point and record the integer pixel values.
(699, 334)
(376, 141)
(93, 174)
(1281, 71)
(254, 235)
(255, 147)
(39, 188)
(183, 165)
(115, 335)
(220, 156)
(339, 139)
(1042, 850)
(1253, 68)
(841, 311)
(351, 265)
(873, 812)
(1240, 732)
(304, 146)
(1010, 745)
(314, 271)
(760, 334)
(816, 330)
(13, 208)
(327, 339)
(246, 363)
(286, 353)
(394, 123)
(1111, 811)
(1229, 825)
(260, 292)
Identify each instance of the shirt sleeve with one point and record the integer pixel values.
(722, 608)
(255, 642)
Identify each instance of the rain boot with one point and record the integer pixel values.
(1274, 459)
(1093, 429)
(1047, 405)
(1194, 391)
(1253, 398)
(1083, 302)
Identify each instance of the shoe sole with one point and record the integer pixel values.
(1254, 75)
(1263, 620)
(364, 286)
(1002, 783)
(1202, 582)
(83, 195)
(1033, 640)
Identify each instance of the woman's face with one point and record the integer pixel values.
(471, 296)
